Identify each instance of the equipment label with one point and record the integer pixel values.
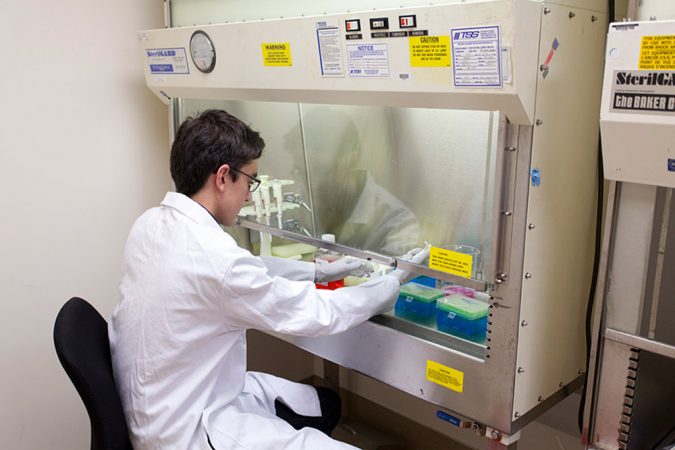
(445, 376)
(330, 52)
(429, 51)
(167, 60)
(643, 92)
(368, 60)
(476, 55)
(451, 262)
(657, 53)
(276, 54)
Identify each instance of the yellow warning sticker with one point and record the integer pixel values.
(445, 376)
(451, 262)
(657, 53)
(276, 54)
(429, 51)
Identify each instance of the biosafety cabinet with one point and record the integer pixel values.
(470, 125)
(630, 383)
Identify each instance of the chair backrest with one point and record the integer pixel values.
(81, 341)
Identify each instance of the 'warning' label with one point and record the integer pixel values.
(429, 51)
(276, 53)
(657, 53)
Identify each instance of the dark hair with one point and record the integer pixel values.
(206, 142)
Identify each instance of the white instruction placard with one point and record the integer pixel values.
(368, 60)
(476, 56)
(330, 52)
(167, 60)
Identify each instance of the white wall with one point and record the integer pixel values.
(83, 151)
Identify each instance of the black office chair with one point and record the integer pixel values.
(81, 341)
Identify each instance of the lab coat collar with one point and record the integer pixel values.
(189, 208)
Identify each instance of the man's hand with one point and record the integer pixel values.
(415, 256)
(337, 270)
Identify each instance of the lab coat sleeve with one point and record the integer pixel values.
(251, 298)
(289, 269)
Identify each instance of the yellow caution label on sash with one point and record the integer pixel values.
(451, 262)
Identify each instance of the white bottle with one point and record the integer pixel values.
(324, 254)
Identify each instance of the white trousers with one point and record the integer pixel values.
(250, 422)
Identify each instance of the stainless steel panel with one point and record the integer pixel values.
(641, 343)
(400, 360)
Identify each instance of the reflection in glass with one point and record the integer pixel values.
(349, 201)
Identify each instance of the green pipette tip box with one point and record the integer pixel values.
(467, 307)
(420, 292)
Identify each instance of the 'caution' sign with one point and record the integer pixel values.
(276, 53)
(429, 51)
(445, 376)
(657, 53)
(452, 262)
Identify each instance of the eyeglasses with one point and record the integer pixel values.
(253, 181)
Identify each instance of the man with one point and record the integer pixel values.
(189, 293)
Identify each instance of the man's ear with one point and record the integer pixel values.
(221, 176)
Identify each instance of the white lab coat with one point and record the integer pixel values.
(178, 335)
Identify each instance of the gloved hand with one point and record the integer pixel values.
(337, 270)
(415, 256)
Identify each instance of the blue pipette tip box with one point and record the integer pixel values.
(463, 316)
(417, 303)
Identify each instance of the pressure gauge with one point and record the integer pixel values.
(202, 51)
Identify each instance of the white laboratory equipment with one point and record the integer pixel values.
(469, 123)
(630, 393)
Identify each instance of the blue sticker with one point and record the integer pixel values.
(535, 175)
(671, 165)
(159, 68)
(448, 418)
